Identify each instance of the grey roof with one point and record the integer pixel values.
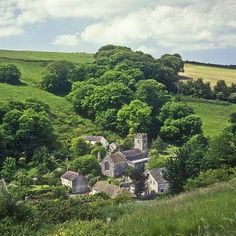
(117, 157)
(110, 189)
(70, 175)
(134, 154)
(93, 138)
(81, 180)
(157, 174)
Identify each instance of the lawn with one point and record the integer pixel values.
(209, 73)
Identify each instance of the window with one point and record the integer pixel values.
(107, 166)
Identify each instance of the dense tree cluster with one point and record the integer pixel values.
(24, 126)
(179, 121)
(58, 77)
(10, 74)
(200, 89)
(123, 91)
(199, 158)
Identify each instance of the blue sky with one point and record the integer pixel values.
(202, 30)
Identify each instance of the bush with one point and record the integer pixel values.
(210, 177)
(10, 74)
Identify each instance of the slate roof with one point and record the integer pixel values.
(70, 175)
(93, 138)
(134, 154)
(117, 157)
(157, 174)
(110, 189)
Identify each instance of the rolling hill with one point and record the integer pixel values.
(209, 73)
(214, 116)
(31, 65)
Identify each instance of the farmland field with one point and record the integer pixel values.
(209, 73)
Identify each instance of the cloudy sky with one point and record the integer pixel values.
(203, 30)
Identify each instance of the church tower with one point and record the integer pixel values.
(141, 141)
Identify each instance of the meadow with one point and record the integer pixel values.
(214, 115)
(209, 73)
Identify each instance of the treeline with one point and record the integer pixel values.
(200, 89)
(211, 64)
(201, 161)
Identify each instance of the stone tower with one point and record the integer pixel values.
(141, 141)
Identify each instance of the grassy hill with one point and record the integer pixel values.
(31, 65)
(214, 116)
(209, 211)
(209, 73)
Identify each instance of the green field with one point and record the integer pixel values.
(215, 117)
(46, 56)
(209, 73)
(31, 65)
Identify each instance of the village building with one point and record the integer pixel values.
(156, 182)
(97, 139)
(114, 165)
(110, 189)
(75, 181)
(3, 185)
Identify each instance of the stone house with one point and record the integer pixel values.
(97, 139)
(75, 181)
(114, 165)
(156, 182)
(110, 189)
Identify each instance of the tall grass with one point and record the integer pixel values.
(210, 211)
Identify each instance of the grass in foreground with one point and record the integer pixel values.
(210, 211)
(209, 73)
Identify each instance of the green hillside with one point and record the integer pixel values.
(46, 56)
(215, 116)
(209, 73)
(31, 65)
(209, 211)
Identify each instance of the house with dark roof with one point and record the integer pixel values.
(110, 189)
(156, 182)
(75, 181)
(97, 139)
(114, 165)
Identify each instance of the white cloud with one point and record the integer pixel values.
(66, 40)
(10, 31)
(194, 26)
(175, 24)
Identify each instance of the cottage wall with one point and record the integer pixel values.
(152, 184)
(66, 182)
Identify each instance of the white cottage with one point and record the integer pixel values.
(75, 181)
(97, 139)
(156, 182)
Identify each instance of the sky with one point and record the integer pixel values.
(200, 30)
